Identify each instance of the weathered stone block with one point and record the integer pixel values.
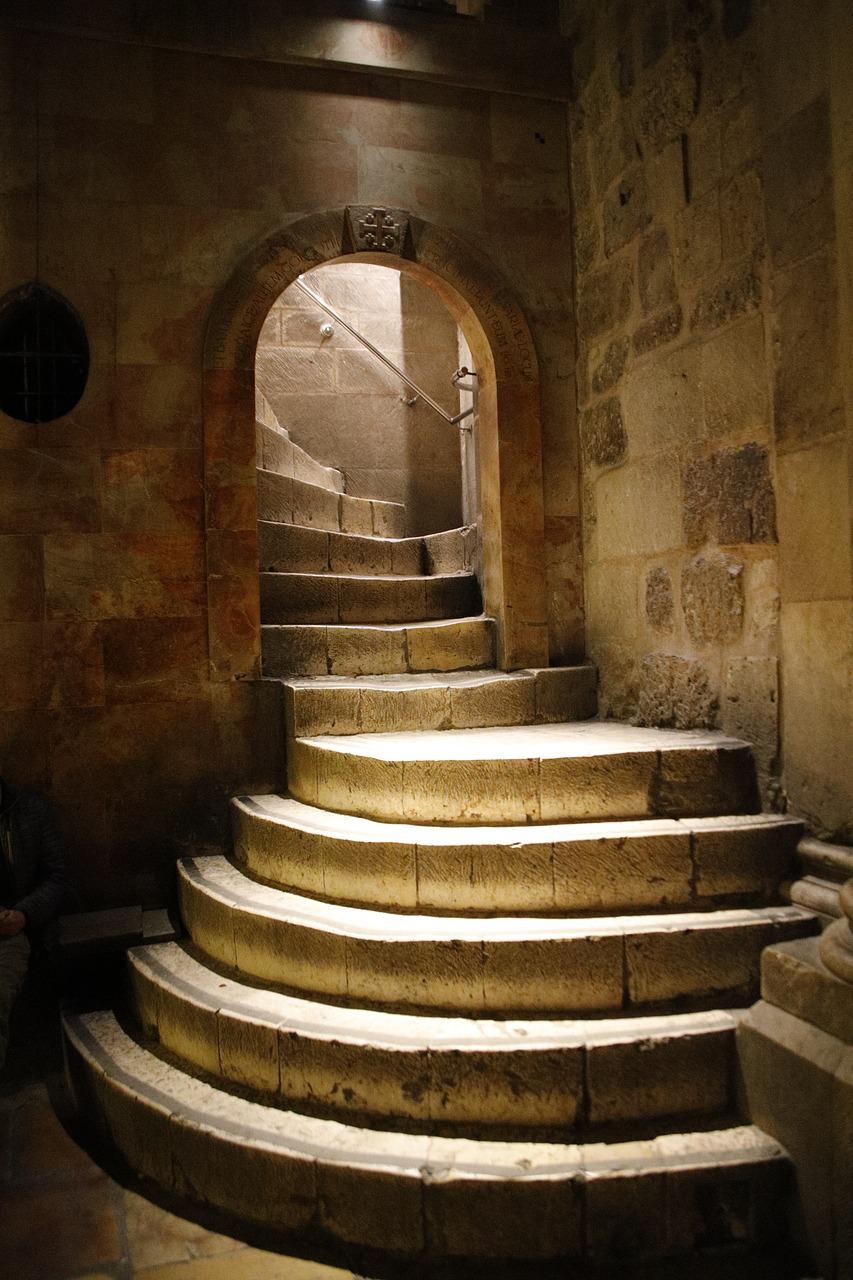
(626, 210)
(734, 380)
(737, 294)
(712, 599)
(669, 97)
(675, 692)
(662, 402)
(614, 150)
(660, 603)
(807, 395)
(639, 506)
(655, 275)
(603, 434)
(798, 177)
(742, 216)
(654, 33)
(814, 541)
(749, 707)
(728, 497)
(587, 242)
(698, 238)
(657, 331)
(612, 365)
(604, 298)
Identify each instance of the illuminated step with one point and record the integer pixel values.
(449, 700)
(345, 598)
(433, 1074)
(286, 500)
(564, 868)
(507, 965)
(446, 1197)
(530, 773)
(367, 649)
(296, 549)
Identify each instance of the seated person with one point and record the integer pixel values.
(32, 884)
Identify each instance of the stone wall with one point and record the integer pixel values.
(137, 170)
(715, 453)
(347, 410)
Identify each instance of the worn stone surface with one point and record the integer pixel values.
(603, 434)
(675, 691)
(626, 210)
(660, 602)
(655, 274)
(728, 496)
(657, 331)
(736, 294)
(608, 372)
(668, 97)
(604, 298)
(712, 599)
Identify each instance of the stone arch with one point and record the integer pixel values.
(510, 449)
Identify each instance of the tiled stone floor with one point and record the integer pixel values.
(64, 1217)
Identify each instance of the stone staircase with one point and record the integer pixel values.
(469, 989)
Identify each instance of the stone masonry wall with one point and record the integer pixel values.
(715, 458)
(134, 178)
(341, 405)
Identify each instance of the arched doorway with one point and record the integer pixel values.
(510, 452)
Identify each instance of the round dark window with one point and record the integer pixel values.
(44, 355)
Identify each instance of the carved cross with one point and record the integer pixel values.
(378, 230)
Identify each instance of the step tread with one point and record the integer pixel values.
(171, 965)
(218, 878)
(289, 812)
(103, 1044)
(430, 625)
(427, 679)
(342, 533)
(396, 578)
(581, 738)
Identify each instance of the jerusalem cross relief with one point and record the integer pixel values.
(376, 229)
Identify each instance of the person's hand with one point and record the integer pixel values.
(12, 923)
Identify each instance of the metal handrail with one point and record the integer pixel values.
(389, 364)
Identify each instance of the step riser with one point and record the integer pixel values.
(591, 972)
(355, 651)
(556, 1093)
(534, 697)
(285, 500)
(505, 791)
(615, 873)
(293, 598)
(440, 1205)
(288, 548)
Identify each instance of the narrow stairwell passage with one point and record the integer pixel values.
(468, 989)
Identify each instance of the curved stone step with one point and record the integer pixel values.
(286, 500)
(506, 965)
(343, 598)
(562, 868)
(369, 649)
(449, 700)
(292, 548)
(530, 773)
(434, 1074)
(277, 452)
(446, 1197)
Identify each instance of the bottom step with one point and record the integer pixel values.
(444, 1197)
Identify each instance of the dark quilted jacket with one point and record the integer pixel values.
(37, 863)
